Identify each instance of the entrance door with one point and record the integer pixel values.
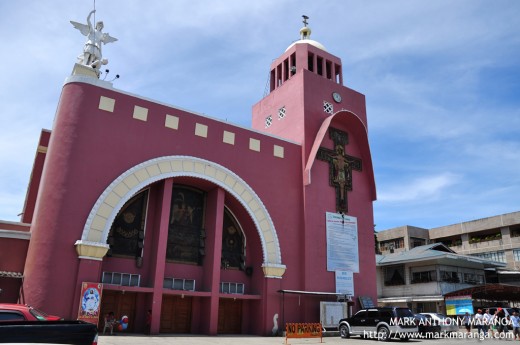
(176, 314)
(229, 316)
(121, 304)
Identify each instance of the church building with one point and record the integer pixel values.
(214, 228)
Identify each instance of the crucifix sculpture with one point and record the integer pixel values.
(341, 166)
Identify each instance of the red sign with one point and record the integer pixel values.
(303, 330)
(90, 302)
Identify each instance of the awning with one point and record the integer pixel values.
(508, 272)
(394, 300)
(409, 299)
(299, 292)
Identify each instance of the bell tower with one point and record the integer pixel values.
(305, 87)
(308, 104)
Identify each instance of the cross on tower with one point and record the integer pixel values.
(341, 166)
(305, 20)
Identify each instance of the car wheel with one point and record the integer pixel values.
(383, 334)
(343, 331)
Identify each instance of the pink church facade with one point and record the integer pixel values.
(202, 222)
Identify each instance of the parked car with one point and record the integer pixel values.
(49, 332)
(507, 311)
(447, 324)
(381, 323)
(426, 325)
(23, 312)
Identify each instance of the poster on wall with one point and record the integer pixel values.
(342, 243)
(332, 312)
(90, 302)
(345, 283)
(459, 305)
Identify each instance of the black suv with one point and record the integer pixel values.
(381, 323)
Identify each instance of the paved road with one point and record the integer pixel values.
(253, 340)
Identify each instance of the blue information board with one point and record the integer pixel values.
(459, 305)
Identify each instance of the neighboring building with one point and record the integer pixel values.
(201, 221)
(14, 241)
(495, 238)
(493, 241)
(401, 239)
(420, 277)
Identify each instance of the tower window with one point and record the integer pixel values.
(328, 69)
(279, 75)
(338, 73)
(328, 107)
(319, 66)
(285, 69)
(293, 63)
(281, 113)
(272, 80)
(310, 62)
(268, 121)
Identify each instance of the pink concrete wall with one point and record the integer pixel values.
(89, 148)
(36, 174)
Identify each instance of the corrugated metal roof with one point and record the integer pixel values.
(431, 252)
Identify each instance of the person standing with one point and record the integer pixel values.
(479, 321)
(501, 322)
(487, 321)
(467, 322)
(515, 323)
(148, 325)
(494, 323)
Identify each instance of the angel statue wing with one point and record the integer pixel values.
(108, 39)
(83, 28)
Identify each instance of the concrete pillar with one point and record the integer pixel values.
(160, 257)
(465, 243)
(214, 223)
(89, 271)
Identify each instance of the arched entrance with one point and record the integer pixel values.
(97, 227)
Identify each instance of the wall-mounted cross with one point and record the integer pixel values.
(341, 166)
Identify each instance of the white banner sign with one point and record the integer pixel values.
(345, 283)
(342, 243)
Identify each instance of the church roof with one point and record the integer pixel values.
(308, 41)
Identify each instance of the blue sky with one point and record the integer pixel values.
(441, 79)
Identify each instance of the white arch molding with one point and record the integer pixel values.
(93, 244)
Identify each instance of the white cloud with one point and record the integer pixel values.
(422, 189)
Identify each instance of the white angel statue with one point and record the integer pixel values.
(95, 37)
